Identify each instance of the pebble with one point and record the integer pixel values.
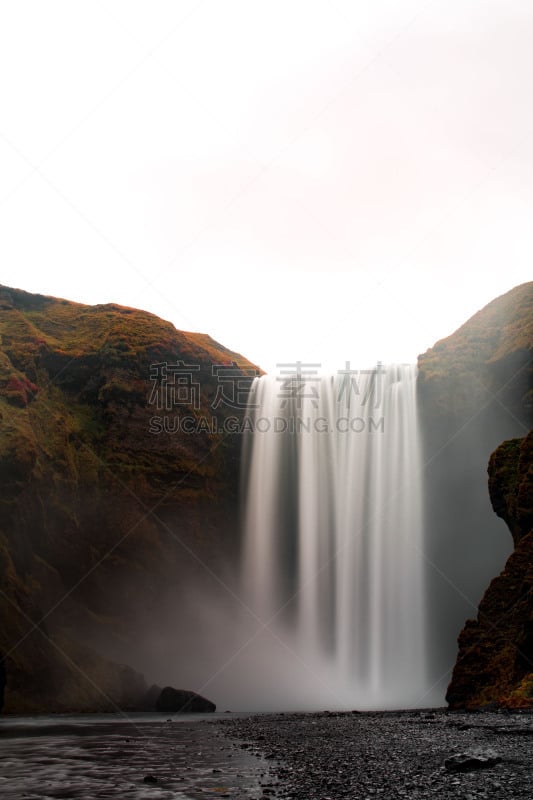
(335, 755)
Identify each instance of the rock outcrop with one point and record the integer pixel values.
(119, 472)
(495, 660)
(511, 485)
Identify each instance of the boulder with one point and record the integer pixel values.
(466, 762)
(182, 701)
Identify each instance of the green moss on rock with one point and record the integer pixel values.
(488, 359)
(88, 493)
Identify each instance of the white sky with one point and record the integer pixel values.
(314, 180)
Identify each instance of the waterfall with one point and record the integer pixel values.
(332, 552)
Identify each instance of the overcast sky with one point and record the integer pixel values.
(314, 180)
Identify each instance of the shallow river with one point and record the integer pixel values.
(109, 756)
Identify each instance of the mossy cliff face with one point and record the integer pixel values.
(474, 392)
(106, 502)
(487, 360)
(495, 660)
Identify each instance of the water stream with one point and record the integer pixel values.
(333, 548)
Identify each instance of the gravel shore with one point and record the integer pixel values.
(421, 754)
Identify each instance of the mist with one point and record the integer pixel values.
(205, 635)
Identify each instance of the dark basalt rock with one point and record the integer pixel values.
(466, 762)
(511, 485)
(183, 702)
(495, 660)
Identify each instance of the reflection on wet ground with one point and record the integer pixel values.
(87, 760)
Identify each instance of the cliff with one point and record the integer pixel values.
(474, 392)
(487, 360)
(495, 660)
(119, 466)
(119, 479)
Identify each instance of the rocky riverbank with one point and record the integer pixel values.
(419, 754)
(314, 756)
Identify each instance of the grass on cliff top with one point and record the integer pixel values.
(30, 322)
(502, 327)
